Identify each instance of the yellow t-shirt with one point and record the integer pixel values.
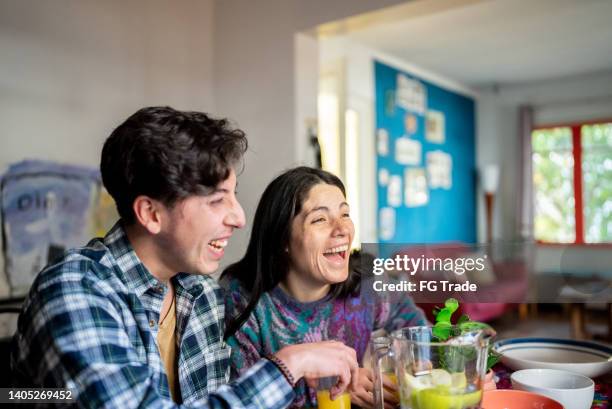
(166, 340)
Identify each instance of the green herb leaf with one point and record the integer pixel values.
(492, 359)
(442, 330)
(451, 304)
(462, 319)
(473, 326)
(444, 315)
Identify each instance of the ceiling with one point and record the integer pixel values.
(500, 41)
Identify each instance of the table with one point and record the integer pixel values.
(578, 321)
(577, 292)
(603, 386)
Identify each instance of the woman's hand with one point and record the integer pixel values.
(363, 393)
(321, 359)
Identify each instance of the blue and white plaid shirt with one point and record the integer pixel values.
(90, 324)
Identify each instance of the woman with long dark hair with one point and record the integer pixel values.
(294, 284)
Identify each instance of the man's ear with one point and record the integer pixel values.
(148, 213)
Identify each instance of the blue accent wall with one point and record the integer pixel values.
(450, 214)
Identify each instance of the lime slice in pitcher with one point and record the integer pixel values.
(441, 377)
(417, 382)
(458, 380)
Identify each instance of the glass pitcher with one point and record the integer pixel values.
(382, 364)
(438, 375)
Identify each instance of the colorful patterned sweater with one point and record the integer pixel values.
(279, 320)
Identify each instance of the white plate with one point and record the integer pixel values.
(587, 358)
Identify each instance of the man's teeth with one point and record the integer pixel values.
(218, 244)
(338, 249)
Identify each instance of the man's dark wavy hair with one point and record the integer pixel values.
(168, 155)
(266, 263)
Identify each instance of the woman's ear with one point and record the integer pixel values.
(148, 213)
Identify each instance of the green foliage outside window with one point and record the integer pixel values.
(597, 182)
(553, 184)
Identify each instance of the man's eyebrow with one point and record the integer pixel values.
(219, 190)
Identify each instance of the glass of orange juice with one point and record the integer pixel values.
(324, 400)
(392, 376)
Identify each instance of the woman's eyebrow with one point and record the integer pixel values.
(325, 208)
(314, 209)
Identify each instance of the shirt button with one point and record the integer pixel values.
(152, 323)
(160, 289)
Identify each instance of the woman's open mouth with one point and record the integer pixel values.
(337, 254)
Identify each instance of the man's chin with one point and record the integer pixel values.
(208, 268)
(208, 272)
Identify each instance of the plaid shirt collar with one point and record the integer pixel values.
(136, 275)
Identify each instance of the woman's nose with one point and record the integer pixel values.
(342, 227)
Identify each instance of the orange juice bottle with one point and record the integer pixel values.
(341, 402)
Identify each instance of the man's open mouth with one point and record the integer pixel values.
(217, 245)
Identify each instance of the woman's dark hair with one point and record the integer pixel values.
(168, 155)
(266, 263)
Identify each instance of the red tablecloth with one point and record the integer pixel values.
(603, 386)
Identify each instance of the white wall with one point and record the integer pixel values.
(496, 136)
(72, 70)
(254, 73)
(571, 99)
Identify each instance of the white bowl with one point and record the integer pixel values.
(586, 358)
(572, 390)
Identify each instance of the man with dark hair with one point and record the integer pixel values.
(134, 319)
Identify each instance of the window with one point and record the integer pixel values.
(572, 181)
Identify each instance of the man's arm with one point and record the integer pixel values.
(71, 336)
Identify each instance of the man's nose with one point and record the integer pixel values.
(236, 217)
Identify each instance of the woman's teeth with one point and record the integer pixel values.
(218, 244)
(340, 250)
